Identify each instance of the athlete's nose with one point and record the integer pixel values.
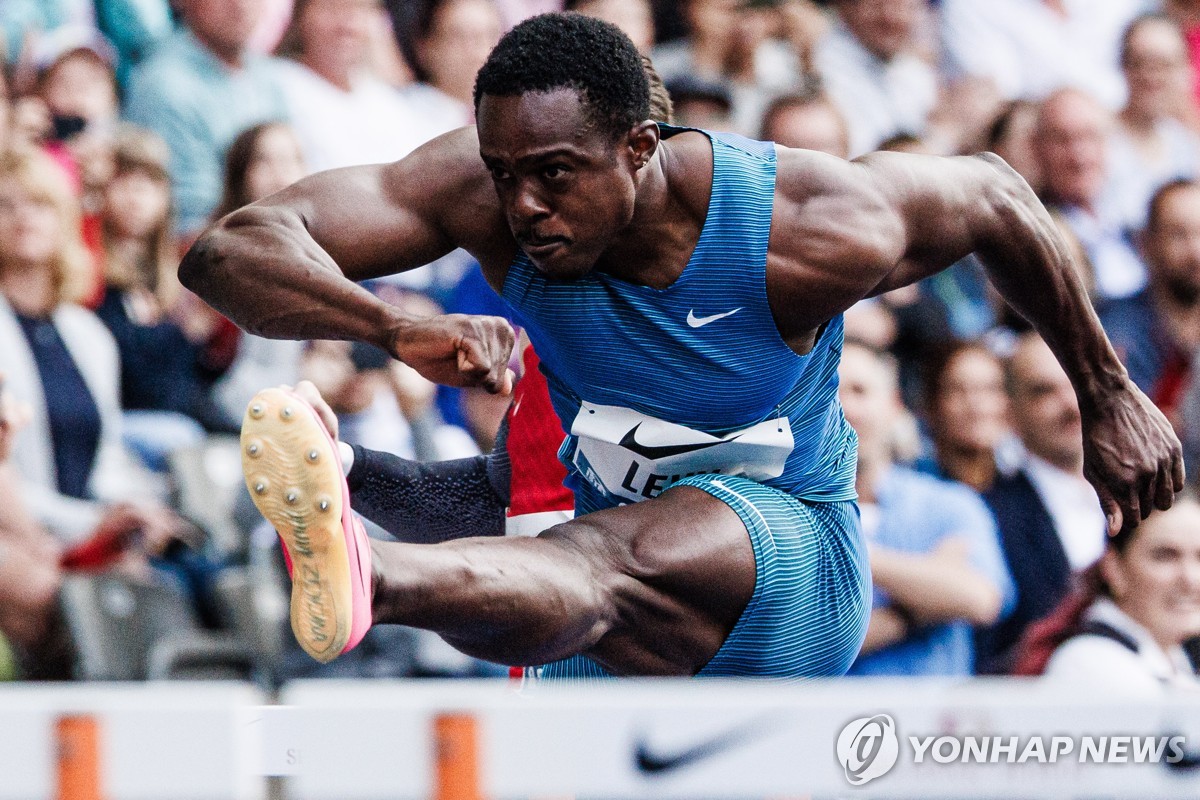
(527, 206)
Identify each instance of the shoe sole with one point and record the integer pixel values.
(294, 476)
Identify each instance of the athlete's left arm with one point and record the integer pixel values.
(892, 219)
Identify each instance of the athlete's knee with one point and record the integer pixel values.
(588, 578)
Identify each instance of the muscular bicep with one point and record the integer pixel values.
(946, 208)
(381, 219)
(848, 230)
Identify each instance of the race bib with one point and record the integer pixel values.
(632, 456)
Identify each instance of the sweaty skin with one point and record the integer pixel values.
(652, 588)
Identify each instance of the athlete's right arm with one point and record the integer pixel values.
(285, 267)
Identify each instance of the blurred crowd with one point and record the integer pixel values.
(127, 126)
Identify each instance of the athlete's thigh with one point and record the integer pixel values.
(810, 600)
(680, 570)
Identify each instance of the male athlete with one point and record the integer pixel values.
(684, 291)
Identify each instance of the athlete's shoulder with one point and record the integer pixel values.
(446, 178)
(831, 210)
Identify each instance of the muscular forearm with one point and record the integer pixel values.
(262, 269)
(1032, 267)
(932, 589)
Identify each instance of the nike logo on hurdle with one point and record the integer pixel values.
(650, 762)
(654, 452)
(699, 322)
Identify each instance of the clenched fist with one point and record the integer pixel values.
(458, 350)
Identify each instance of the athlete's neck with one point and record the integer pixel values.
(668, 217)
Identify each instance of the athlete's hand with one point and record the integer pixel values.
(1131, 456)
(458, 350)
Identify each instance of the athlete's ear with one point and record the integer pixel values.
(643, 141)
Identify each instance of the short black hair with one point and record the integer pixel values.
(571, 51)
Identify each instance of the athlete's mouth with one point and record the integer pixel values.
(539, 247)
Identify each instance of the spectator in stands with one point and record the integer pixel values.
(24, 122)
(966, 410)
(1030, 48)
(1071, 141)
(867, 66)
(160, 334)
(261, 161)
(730, 44)
(934, 557)
(342, 113)
(79, 88)
(198, 91)
(1157, 331)
(809, 121)
(1011, 137)
(453, 39)
(1186, 14)
(635, 18)
(61, 360)
(26, 24)
(1123, 630)
(701, 103)
(1150, 146)
(1050, 520)
(29, 571)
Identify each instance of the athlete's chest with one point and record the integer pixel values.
(704, 355)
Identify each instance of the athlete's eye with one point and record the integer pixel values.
(499, 173)
(554, 172)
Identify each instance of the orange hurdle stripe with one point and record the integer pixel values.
(456, 768)
(78, 740)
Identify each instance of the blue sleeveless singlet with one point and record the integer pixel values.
(654, 385)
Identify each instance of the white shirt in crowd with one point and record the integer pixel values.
(439, 111)
(878, 98)
(1074, 508)
(371, 124)
(1100, 663)
(1118, 269)
(1134, 178)
(1028, 49)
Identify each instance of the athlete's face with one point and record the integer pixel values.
(566, 189)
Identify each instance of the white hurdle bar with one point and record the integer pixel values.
(155, 741)
(626, 740)
(634, 740)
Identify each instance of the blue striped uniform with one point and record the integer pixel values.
(693, 385)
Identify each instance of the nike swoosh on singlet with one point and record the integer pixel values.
(655, 452)
(699, 322)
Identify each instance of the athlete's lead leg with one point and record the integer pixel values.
(652, 588)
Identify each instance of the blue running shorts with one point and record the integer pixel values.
(808, 615)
